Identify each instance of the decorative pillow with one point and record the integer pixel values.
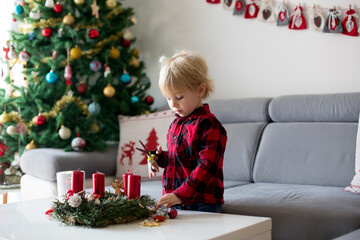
(355, 183)
(151, 129)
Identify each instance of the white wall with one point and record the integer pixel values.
(248, 58)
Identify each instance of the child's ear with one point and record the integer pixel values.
(202, 89)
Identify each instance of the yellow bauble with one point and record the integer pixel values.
(68, 19)
(75, 52)
(134, 62)
(136, 52)
(114, 53)
(110, 4)
(79, 2)
(109, 91)
(4, 117)
(30, 146)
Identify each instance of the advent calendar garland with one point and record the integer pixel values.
(266, 11)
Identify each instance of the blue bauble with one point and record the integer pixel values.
(19, 9)
(31, 36)
(94, 108)
(95, 65)
(134, 99)
(125, 78)
(51, 77)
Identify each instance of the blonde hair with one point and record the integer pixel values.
(184, 71)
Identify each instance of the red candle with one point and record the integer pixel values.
(133, 189)
(98, 183)
(125, 181)
(77, 180)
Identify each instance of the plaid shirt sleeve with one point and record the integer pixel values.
(204, 149)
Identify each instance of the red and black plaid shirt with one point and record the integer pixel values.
(193, 164)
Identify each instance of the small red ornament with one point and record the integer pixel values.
(93, 34)
(22, 3)
(58, 8)
(149, 100)
(213, 1)
(82, 88)
(172, 213)
(39, 120)
(125, 43)
(2, 149)
(158, 218)
(47, 32)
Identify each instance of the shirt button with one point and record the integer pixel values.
(175, 138)
(171, 154)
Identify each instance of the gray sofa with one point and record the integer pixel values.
(288, 158)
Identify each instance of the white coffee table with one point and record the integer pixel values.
(27, 220)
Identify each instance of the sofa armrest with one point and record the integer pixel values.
(45, 162)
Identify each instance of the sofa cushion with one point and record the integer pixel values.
(307, 153)
(45, 162)
(297, 211)
(340, 107)
(241, 110)
(354, 235)
(241, 147)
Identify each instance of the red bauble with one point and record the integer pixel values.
(93, 34)
(172, 213)
(82, 88)
(125, 43)
(149, 100)
(22, 3)
(2, 149)
(58, 8)
(47, 32)
(39, 120)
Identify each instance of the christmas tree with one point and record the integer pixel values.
(79, 72)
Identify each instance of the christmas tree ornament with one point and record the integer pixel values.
(134, 99)
(110, 4)
(75, 200)
(51, 77)
(114, 53)
(21, 128)
(134, 62)
(2, 149)
(297, 20)
(93, 34)
(10, 130)
(30, 146)
(135, 52)
(79, 2)
(54, 54)
(19, 9)
(82, 88)
(239, 8)
(68, 73)
(31, 36)
(78, 144)
(252, 9)
(47, 32)
(145, 81)
(68, 19)
(75, 53)
(64, 133)
(58, 8)
(333, 23)
(12, 53)
(107, 71)
(95, 9)
(60, 32)
(133, 20)
(39, 120)
(228, 4)
(125, 43)
(266, 12)
(149, 100)
(317, 20)
(94, 108)
(125, 78)
(49, 3)
(127, 35)
(213, 1)
(22, 3)
(95, 65)
(349, 23)
(172, 213)
(109, 91)
(35, 15)
(283, 15)
(24, 56)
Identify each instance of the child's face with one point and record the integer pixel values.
(185, 102)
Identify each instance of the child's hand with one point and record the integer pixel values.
(169, 200)
(153, 167)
